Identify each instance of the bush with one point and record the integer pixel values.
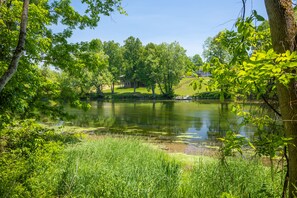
(28, 154)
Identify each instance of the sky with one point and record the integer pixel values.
(189, 22)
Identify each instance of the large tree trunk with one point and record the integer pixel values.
(283, 33)
(12, 68)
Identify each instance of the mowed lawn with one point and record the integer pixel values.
(184, 88)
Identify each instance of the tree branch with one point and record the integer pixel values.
(244, 8)
(266, 101)
(12, 68)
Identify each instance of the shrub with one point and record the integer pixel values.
(28, 154)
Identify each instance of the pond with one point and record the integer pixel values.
(179, 121)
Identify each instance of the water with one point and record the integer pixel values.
(185, 121)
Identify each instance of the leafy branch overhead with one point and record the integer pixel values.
(37, 21)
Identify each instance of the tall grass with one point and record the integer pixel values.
(128, 168)
(118, 168)
(122, 167)
(240, 178)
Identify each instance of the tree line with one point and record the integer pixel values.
(97, 64)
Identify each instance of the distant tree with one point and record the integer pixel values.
(133, 52)
(115, 61)
(93, 63)
(213, 47)
(151, 66)
(172, 63)
(197, 60)
(190, 67)
(89, 69)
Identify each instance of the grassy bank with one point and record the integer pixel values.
(184, 88)
(129, 168)
(122, 167)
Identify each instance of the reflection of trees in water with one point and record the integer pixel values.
(152, 117)
(171, 118)
(87, 120)
(223, 123)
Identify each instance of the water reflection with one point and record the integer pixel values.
(186, 121)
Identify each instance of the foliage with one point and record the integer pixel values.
(197, 60)
(232, 142)
(151, 66)
(172, 65)
(94, 64)
(133, 51)
(269, 137)
(252, 70)
(115, 61)
(30, 91)
(28, 152)
(227, 53)
(37, 94)
(214, 95)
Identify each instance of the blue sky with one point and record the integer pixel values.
(188, 22)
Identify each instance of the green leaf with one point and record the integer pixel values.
(257, 16)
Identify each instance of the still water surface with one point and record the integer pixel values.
(187, 121)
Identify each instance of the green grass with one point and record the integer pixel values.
(240, 178)
(121, 167)
(125, 167)
(121, 90)
(182, 89)
(118, 168)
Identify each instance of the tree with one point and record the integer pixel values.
(133, 50)
(171, 67)
(198, 63)
(213, 48)
(229, 49)
(115, 61)
(89, 68)
(40, 17)
(95, 64)
(283, 33)
(197, 60)
(219, 53)
(151, 66)
(19, 48)
(43, 47)
(257, 68)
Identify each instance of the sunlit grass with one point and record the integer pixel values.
(122, 167)
(118, 168)
(239, 178)
(121, 90)
(125, 167)
(184, 88)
